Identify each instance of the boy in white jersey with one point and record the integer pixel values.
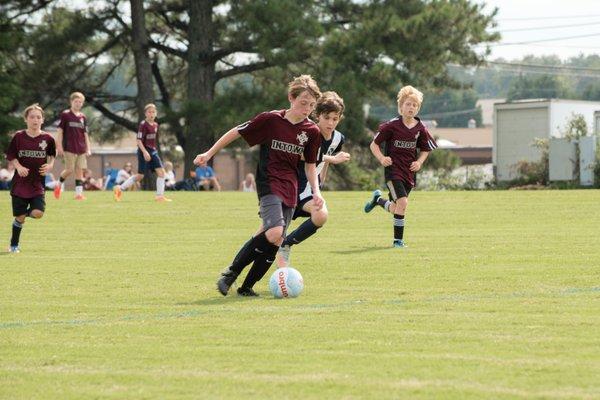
(147, 153)
(329, 112)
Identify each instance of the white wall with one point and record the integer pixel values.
(561, 111)
(515, 130)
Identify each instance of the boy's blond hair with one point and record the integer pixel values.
(304, 83)
(330, 102)
(76, 95)
(409, 91)
(149, 105)
(32, 107)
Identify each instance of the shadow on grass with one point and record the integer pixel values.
(218, 300)
(361, 250)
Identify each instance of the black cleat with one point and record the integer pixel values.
(246, 292)
(225, 281)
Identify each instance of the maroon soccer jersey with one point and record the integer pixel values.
(32, 153)
(74, 128)
(401, 144)
(148, 134)
(282, 145)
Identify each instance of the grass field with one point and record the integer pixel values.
(498, 296)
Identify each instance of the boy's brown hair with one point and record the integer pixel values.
(330, 102)
(32, 107)
(76, 95)
(304, 83)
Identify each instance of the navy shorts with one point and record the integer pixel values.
(398, 189)
(154, 163)
(21, 206)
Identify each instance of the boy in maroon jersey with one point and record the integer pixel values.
(147, 154)
(401, 137)
(73, 142)
(31, 152)
(328, 114)
(284, 136)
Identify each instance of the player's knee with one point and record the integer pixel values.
(274, 235)
(401, 204)
(37, 214)
(160, 172)
(319, 217)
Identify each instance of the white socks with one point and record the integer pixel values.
(130, 181)
(160, 186)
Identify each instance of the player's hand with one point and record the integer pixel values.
(415, 166)
(201, 159)
(341, 157)
(88, 152)
(59, 151)
(22, 171)
(386, 161)
(147, 156)
(318, 201)
(44, 169)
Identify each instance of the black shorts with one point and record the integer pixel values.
(21, 206)
(398, 189)
(299, 211)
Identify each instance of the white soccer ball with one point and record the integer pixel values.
(286, 282)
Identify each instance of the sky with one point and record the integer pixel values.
(558, 19)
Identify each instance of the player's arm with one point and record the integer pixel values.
(59, 142)
(202, 159)
(416, 165)
(142, 148)
(376, 150)
(21, 170)
(313, 180)
(338, 158)
(87, 144)
(45, 168)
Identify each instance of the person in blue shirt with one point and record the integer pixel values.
(206, 178)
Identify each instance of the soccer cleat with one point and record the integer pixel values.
(246, 292)
(162, 199)
(225, 281)
(117, 193)
(370, 205)
(14, 249)
(57, 190)
(283, 256)
(80, 197)
(399, 243)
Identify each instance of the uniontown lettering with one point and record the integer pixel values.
(76, 125)
(286, 147)
(404, 144)
(32, 153)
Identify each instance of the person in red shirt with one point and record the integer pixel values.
(31, 151)
(73, 142)
(284, 137)
(406, 145)
(148, 158)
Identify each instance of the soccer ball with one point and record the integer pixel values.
(286, 282)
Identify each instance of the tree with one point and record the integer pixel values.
(217, 62)
(541, 87)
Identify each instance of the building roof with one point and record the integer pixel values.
(463, 137)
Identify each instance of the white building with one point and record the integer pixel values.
(518, 124)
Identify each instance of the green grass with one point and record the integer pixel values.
(498, 296)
